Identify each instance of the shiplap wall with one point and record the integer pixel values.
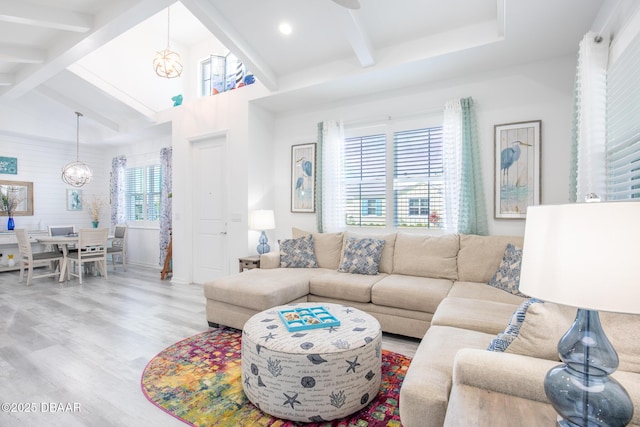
(41, 162)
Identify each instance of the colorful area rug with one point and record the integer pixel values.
(198, 381)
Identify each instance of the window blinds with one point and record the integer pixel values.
(623, 125)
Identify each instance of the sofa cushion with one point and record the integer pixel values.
(345, 286)
(480, 291)
(426, 256)
(386, 259)
(623, 330)
(505, 338)
(326, 246)
(361, 256)
(410, 292)
(475, 315)
(543, 326)
(480, 256)
(260, 289)
(507, 276)
(425, 390)
(298, 253)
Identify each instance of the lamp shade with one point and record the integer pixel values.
(584, 255)
(262, 220)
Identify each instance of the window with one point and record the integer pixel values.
(365, 180)
(418, 177)
(221, 73)
(623, 127)
(143, 190)
(411, 194)
(418, 207)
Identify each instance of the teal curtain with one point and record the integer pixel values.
(472, 217)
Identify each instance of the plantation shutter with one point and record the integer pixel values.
(418, 177)
(365, 185)
(144, 185)
(623, 125)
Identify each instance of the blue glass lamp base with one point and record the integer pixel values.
(581, 390)
(263, 246)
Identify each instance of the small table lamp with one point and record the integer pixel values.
(262, 220)
(585, 255)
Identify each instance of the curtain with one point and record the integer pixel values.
(465, 210)
(330, 180)
(588, 170)
(118, 191)
(166, 155)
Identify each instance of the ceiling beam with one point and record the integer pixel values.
(76, 106)
(112, 21)
(44, 16)
(23, 54)
(6, 79)
(220, 27)
(349, 21)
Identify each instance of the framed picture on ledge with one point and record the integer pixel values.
(303, 178)
(517, 168)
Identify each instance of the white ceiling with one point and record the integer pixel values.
(333, 53)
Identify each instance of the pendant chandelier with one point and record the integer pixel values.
(167, 63)
(77, 173)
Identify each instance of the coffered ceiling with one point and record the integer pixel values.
(332, 54)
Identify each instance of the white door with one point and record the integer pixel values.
(209, 209)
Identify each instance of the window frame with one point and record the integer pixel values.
(389, 128)
(144, 195)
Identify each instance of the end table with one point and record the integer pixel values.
(249, 262)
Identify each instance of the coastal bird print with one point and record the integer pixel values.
(508, 157)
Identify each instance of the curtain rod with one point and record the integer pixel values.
(390, 117)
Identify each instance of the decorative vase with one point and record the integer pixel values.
(10, 224)
(95, 224)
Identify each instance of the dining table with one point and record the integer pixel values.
(63, 243)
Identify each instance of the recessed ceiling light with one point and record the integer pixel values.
(285, 28)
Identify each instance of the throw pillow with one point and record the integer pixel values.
(297, 253)
(505, 338)
(361, 256)
(507, 276)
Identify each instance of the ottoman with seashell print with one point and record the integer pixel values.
(311, 375)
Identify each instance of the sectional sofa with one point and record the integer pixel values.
(435, 288)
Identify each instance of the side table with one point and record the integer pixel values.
(249, 262)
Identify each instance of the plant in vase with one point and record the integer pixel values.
(95, 207)
(9, 201)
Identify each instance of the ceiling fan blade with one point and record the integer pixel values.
(349, 4)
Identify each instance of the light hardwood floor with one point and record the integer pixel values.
(85, 346)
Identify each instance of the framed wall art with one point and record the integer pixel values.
(74, 199)
(517, 168)
(9, 165)
(303, 178)
(21, 193)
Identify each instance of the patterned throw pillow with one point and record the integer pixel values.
(507, 277)
(503, 339)
(361, 256)
(298, 253)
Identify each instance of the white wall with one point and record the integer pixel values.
(536, 91)
(224, 114)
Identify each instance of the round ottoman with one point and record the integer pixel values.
(311, 375)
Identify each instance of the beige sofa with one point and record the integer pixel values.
(433, 288)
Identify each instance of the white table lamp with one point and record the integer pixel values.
(262, 220)
(585, 255)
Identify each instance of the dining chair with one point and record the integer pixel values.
(29, 259)
(118, 248)
(92, 247)
(61, 230)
